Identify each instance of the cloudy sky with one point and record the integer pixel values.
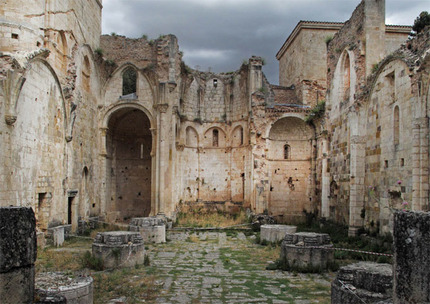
(220, 34)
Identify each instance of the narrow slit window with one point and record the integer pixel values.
(396, 125)
(287, 152)
(215, 138)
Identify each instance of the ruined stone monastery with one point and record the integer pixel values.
(104, 125)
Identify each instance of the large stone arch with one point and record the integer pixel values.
(343, 84)
(128, 142)
(290, 178)
(38, 145)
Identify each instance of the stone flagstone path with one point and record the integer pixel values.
(211, 267)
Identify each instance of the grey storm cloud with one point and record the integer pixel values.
(220, 34)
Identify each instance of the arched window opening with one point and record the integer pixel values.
(215, 138)
(287, 151)
(346, 81)
(129, 80)
(396, 125)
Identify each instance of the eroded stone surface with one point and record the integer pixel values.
(119, 248)
(18, 253)
(275, 233)
(412, 257)
(76, 290)
(363, 281)
(308, 251)
(151, 229)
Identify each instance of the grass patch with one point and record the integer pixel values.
(126, 282)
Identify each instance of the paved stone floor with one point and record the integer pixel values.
(212, 267)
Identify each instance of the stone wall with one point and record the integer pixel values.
(368, 146)
(302, 58)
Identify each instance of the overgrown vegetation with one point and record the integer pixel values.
(98, 51)
(316, 112)
(421, 22)
(91, 262)
(339, 237)
(328, 39)
(201, 219)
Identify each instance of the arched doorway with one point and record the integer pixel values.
(128, 147)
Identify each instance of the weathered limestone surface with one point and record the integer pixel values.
(363, 282)
(57, 286)
(18, 251)
(119, 248)
(412, 257)
(297, 252)
(79, 145)
(275, 233)
(151, 229)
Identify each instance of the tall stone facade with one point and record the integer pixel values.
(117, 127)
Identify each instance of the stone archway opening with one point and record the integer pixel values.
(128, 146)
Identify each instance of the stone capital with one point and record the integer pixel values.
(161, 107)
(153, 131)
(104, 131)
(421, 122)
(180, 147)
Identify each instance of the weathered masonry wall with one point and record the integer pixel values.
(368, 163)
(302, 59)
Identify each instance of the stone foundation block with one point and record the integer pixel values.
(58, 234)
(275, 233)
(411, 257)
(18, 251)
(17, 285)
(298, 252)
(57, 285)
(152, 229)
(119, 248)
(364, 282)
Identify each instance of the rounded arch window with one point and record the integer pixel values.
(129, 81)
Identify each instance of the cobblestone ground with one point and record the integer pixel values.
(212, 267)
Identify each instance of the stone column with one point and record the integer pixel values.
(105, 181)
(154, 184)
(420, 164)
(357, 172)
(325, 182)
(162, 156)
